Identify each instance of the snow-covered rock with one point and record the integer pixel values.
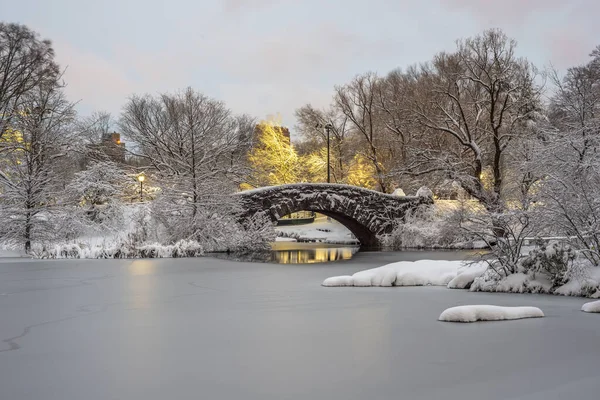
(424, 191)
(403, 273)
(398, 192)
(488, 313)
(591, 307)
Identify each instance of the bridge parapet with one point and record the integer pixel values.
(366, 213)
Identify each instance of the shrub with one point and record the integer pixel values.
(555, 259)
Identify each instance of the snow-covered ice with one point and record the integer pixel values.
(591, 307)
(488, 313)
(171, 328)
(417, 273)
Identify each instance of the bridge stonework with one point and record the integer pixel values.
(366, 213)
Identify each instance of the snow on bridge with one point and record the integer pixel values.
(366, 213)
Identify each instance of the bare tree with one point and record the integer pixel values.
(26, 62)
(358, 102)
(311, 125)
(482, 97)
(196, 147)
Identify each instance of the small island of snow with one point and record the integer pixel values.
(488, 313)
(591, 307)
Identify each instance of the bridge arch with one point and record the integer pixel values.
(366, 213)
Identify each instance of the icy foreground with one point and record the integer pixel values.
(488, 313)
(418, 273)
(591, 307)
(205, 328)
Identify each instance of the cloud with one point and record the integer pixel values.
(506, 11)
(236, 6)
(268, 99)
(94, 81)
(565, 31)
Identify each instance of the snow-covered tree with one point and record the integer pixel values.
(273, 159)
(96, 195)
(480, 100)
(40, 134)
(26, 62)
(569, 159)
(196, 148)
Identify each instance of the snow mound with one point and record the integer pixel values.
(404, 273)
(592, 307)
(398, 192)
(465, 277)
(424, 191)
(488, 313)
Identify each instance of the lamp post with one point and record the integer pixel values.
(328, 128)
(141, 180)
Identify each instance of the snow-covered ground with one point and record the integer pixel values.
(9, 251)
(488, 313)
(475, 276)
(322, 230)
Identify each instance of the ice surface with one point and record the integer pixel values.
(488, 313)
(215, 329)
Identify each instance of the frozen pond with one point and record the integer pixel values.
(217, 329)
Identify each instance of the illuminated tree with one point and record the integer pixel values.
(362, 173)
(274, 160)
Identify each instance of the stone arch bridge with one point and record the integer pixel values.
(366, 213)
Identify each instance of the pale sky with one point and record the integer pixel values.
(268, 57)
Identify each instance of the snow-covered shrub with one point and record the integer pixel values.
(429, 226)
(555, 259)
(124, 249)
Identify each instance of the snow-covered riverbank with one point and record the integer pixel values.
(477, 277)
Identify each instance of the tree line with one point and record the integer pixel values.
(480, 119)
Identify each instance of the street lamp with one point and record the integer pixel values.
(141, 180)
(328, 128)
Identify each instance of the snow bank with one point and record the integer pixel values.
(467, 275)
(404, 273)
(591, 307)
(488, 313)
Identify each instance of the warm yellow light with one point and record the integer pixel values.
(141, 178)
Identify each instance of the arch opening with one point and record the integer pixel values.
(359, 234)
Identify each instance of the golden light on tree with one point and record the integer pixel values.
(274, 159)
(362, 173)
